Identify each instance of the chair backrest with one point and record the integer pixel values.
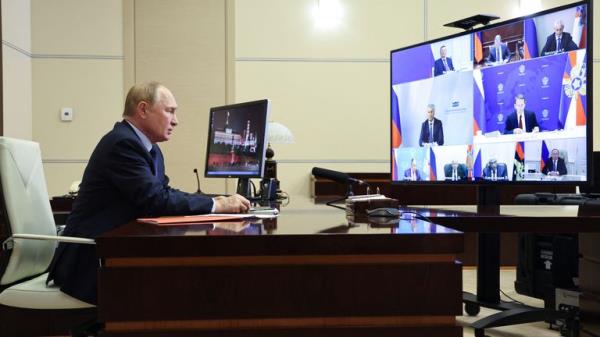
(26, 209)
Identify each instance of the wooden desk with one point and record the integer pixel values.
(282, 278)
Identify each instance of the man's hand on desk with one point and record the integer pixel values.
(517, 131)
(232, 204)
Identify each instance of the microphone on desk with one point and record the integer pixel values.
(336, 176)
(197, 180)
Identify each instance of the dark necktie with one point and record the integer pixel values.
(154, 154)
(445, 64)
(558, 48)
(431, 132)
(554, 163)
(521, 122)
(498, 54)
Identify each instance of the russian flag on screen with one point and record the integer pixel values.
(530, 37)
(478, 46)
(394, 167)
(579, 33)
(432, 166)
(396, 127)
(545, 155)
(477, 170)
(479, 123)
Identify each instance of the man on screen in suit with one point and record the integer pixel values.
(443, 64)
(455, 171)
(493, 171)
(559, 38)
(124, 180)
(521, 120)
(555, 165)
(499, 52)
(412, 173)
(432, 131)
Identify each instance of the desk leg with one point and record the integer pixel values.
(488, 268)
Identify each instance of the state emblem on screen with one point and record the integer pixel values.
(545, 113)
(545, 81)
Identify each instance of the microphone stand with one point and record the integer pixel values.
(197, 181)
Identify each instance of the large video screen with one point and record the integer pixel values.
(236, 140)
(507, 103)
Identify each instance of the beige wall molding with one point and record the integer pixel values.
(332, 161)
(311, 59)
(77, 57)
(16, 48)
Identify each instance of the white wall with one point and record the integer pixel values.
(77, 51)
(16, 68)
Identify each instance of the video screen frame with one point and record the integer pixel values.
(237, 140)
(448, 155)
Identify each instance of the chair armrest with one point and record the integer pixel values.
(8, 243)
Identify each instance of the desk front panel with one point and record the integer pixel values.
(401, 280)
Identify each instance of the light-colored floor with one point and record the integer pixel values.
(507, 278)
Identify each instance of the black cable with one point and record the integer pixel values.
(512, 299)
(330, 203)
(418, 216)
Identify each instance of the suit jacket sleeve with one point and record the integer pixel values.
(550, 45)
(510, 124)
(131, 173)
(562, 167)
(532, 121)
(569, 44)
(423, 134)
(438, 67)
(547, 165)
(440, 133)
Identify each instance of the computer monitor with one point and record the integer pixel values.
(497, 105)
(236, 146)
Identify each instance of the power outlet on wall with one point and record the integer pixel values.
(66, 114)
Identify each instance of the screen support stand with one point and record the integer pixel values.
(488, 277)
(244, 188)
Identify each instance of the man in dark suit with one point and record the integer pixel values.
(443, 64)
(559, 38)
(494, 171)
(520, 120)
(124, 180)
(432, 131)
(499, 52)
(412, 173)
(554, 166)
(455, 171)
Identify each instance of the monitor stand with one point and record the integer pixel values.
(244, 188)
(488, 277)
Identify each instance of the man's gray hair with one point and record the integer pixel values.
(147, 92)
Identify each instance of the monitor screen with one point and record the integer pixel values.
(236, 140)
(509, 103)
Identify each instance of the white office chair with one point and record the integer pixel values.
(27, 306)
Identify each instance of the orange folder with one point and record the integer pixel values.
(183, 219)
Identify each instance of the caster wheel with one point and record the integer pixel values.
(472, 309)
